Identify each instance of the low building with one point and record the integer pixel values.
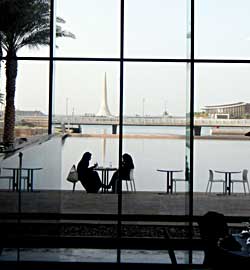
(233, 110)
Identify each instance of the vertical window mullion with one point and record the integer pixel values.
(51, 64)
(191, 179)
(120, 127)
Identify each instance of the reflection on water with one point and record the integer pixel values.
(151, 154)
(141, 130)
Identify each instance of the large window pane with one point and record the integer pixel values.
(31, 98)
(221, 29)
(154, 135)
(21, 33)
(81, 98)
(221, 96)
(95, 25)
(155, 29)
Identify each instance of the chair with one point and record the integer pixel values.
(175, 180)
(244, 181)
(8, 177)
(212, 180)
(131, 180)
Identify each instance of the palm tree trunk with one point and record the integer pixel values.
(9, 116)
(1, 55)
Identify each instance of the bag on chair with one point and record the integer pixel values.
(73, 175)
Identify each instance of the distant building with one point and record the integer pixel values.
(29, 113)
(233, 110)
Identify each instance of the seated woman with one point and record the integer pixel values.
(127, 165)
(88, 177)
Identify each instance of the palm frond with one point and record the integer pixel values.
(60, 20)
(1, 98)
(30, 24)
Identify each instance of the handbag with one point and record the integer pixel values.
(73, 175)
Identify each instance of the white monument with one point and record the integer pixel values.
(104, 109)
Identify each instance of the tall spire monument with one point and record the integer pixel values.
(104, 109)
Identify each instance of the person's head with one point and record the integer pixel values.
(127, 159)
(213, 226)
(86, 156)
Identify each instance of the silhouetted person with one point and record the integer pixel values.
(88, 177)
(127, 165)
(216, 237)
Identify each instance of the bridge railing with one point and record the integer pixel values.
(150, 120)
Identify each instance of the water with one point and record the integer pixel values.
(150, 154)
(142, 130)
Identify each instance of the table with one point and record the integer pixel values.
(105, 175)
(169, 178)
(227, 179)
(29, 176)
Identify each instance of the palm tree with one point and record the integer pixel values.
(22, 23)
(1, 54)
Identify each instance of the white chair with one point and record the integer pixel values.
(131, 180)
(243, 181)
(10, 178)
(212, 180)
(175, 180)
(12, 184)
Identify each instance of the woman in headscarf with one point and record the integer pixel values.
(87, 175)
(127, 165)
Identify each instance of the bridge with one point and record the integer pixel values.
(148, 121)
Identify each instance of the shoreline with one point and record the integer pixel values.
(160, 136)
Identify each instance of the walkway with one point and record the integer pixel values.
(144, 203)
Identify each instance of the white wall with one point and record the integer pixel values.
(46, 155)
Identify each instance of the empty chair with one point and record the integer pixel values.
(175, 180)
(212, 180)
(243, 181)
(11, 180)
(131, 180)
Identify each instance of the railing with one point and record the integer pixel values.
(149, 121)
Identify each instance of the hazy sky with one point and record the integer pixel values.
(153, 29)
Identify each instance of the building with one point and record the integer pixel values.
(233, 110)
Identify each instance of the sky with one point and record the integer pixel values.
(153, 29)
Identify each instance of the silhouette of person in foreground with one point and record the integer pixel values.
(127, 165)
(88, 177)
(217, 239)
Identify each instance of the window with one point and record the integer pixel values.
(143, 78)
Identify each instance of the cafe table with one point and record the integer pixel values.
(29, 176)
(228, 175)
(169, 179)
(105, 175)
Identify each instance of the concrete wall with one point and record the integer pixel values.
(46, 155)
